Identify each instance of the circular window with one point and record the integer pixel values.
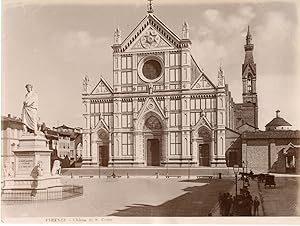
(151, 69)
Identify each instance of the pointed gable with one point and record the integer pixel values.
(151, 104)
(198, 78)
(202, 82)
(102, 87)
(195, 70)
(248, 68)
(101, 125)
(202, 122)
(150, 39)
(148, 34)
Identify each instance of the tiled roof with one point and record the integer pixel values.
(278, 121)
(293, 151)
(247, 125)
(63, 127)
(12, 119)
(280, 134)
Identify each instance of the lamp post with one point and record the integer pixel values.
(189, 169)
(236, 171)
(243, 166)
(113, 174)
(99, 159)
(99, 170)
(167, 165)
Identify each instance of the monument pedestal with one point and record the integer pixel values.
(32, 167)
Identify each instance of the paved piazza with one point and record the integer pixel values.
(129, 197)
(285, 199)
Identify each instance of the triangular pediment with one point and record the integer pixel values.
(150, 39)
(203, 122)
(151, 105)
(202, 82)
(195, 70)
(150, 33)
(102, 87)
(101, 125)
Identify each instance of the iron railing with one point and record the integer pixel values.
(28, 195)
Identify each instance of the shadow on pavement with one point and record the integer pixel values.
(197, 201)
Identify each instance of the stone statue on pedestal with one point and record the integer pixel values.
(185, 30)
(32, 157)
(221, 78)
(30, 111)
(117, 36)
(85, 84)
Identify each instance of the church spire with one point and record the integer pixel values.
(250, 104)
(150, 8)
(248, 37)
(248, 48)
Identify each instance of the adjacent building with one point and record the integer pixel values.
(274, 150)
(11, 131)
(62, 140)
(162, 109)
(65, 141)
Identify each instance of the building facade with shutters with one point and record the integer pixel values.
(162, 109)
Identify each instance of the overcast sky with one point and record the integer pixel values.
(54, 45)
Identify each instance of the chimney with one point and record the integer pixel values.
(277, 113)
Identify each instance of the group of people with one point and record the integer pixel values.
(242, 205)
(226, 204)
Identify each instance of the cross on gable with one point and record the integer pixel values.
(150, 9)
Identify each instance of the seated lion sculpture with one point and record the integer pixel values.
(56, 169)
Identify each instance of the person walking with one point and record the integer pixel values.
(256, 204)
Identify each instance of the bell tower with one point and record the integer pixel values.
(249, 72)
(250, 105)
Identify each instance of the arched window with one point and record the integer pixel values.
(249, 83)
(153, 123)
(222, 146)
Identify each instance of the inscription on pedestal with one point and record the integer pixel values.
(25, 164)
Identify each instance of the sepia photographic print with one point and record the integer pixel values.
(150, 111)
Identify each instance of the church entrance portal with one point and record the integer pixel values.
(152, 138)
(103, 155)
(103, 150)
(204, 155)
(204, 146)
(153, 152)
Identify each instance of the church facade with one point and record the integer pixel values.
(162, 109)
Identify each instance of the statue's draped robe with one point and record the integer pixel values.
(29, 113)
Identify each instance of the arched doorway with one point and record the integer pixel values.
(103, 150)
(204, 146)
(153, 140)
